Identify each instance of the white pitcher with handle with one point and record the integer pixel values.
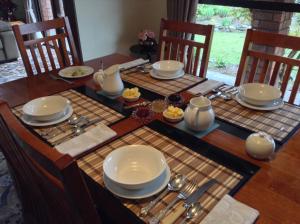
(110, 80)
(199, 114)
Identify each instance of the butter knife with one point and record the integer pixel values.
(194, 197)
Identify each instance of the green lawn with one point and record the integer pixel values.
(226, 47)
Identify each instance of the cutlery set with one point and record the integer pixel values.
(78, 124)
(187, 191)
(225, 92)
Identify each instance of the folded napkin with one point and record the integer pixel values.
(205, 87)
(86, 141)
(230, 211)
(133, 63)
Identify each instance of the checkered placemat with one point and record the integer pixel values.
(180, 160)
(162, 87)
(82, 106)
(278, 123)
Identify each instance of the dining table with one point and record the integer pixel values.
(271, 186)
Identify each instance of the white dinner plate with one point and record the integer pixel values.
(69, 72)
(278, 104)
(150, 190)
(175, 76)
(29, 121)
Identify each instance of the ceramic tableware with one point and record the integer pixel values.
(46, 108)
(260, 145)
(167, 67)
(258, 94)
(199, 114)
(110, 80)
(74, 72)
(134, 166)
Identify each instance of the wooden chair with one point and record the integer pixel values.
(57, 58)
(49, 184)
(175, 45)
(272, 66)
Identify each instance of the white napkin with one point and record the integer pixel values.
(205, 87)
(133, 63)
(230, 211)
(86, 141)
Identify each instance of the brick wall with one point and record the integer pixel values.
(270, 21)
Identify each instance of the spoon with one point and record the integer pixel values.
(75, 132)
(192, 211)
(75, 119)
(175, 184)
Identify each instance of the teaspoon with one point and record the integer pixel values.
(175, 184)
(192, 211)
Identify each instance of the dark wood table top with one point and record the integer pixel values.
(275, 189)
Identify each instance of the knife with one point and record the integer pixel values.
(194, 197)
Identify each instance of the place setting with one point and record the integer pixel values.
(152, 175)
(164, 77)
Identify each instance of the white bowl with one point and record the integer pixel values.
(259, 94)
(134, 166)
(167, 67)
(46, 108)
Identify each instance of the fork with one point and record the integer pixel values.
(183, 194)
(59, 78)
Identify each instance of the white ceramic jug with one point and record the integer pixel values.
(199, 114)
(110, 80)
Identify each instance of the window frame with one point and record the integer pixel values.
(252, 4)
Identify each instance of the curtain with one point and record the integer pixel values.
(182, 10)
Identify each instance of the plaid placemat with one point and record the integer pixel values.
(161, 87)
(278, 123)
(82, 106)
(180, 160)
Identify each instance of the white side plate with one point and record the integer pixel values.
(275, 106)
(176, 76)
(151, 190)
(27, 120)
(68, 72)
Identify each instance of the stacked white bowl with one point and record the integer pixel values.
(168, 68)
(258, 94)
(46, 109)
(134, 167)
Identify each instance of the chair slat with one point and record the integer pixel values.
(189, 60)
(35, 60)
(196, 62)
(168, 50)
(58, 54)
(50, 55)
(286, 78)
(263, 73)
(295, 88)
(43, 57)
(275, 73)
(253, 70)
(66, 56)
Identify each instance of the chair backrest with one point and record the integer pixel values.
(52, 48)
(175, 43)
(269, 68)
(49, 184)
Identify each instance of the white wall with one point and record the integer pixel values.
(109, 26)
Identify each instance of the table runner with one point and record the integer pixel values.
(180, 160)
(279, 123)
(162, 87)
(82, 106)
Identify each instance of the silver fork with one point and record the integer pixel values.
(183, 194)
(59, 78)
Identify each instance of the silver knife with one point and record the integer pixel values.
(194, 197)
